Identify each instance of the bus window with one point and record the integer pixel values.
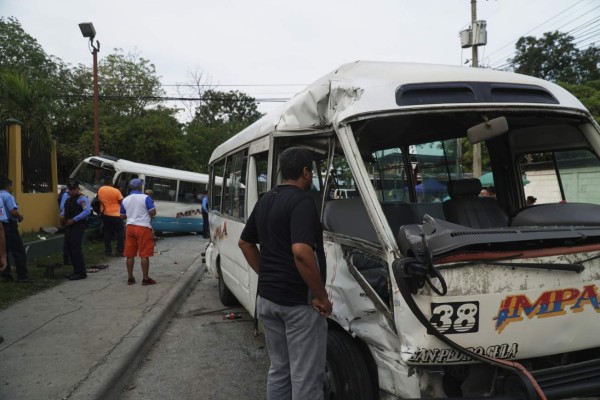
(215, 191)
(389, 175)
(190, 192)
(551, 177)
(262, 163)
(162, 188)
(236, 185)
(122, 182)
(90, 176)
(341, 185)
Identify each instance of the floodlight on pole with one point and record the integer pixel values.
(88, 31)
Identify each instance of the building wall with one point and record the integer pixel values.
(581, 185)
(38, 209)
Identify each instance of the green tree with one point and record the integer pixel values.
(219, 108)
(128, 84)
(56, 98)
(153, 137)
(20, 52)
(28, 79)
(589, 94)
(555, 57)
(133, 125)
(220, 116)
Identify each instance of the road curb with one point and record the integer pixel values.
(113, 373)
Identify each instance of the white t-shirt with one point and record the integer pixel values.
(136, 207)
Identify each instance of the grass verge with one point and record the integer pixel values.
(10, 292)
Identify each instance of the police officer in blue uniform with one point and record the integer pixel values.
(62, 198)
(10, 218)
(73, 216)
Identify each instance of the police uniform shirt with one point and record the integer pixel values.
(8, 200)
(80, 206)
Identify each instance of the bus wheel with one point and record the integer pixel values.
(225, 295)
(347, 374)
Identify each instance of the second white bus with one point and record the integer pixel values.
(177, 194)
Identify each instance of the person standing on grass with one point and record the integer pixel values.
(2, 258)
(112, 224)
(62, 199)
(138, 209)
(74, 215)
(10, 218)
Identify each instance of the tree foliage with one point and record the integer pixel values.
(21, 52)
(555, 57)
(220, 108)
(589, 94)
(56, 98)
(28, 79)
(220, 116)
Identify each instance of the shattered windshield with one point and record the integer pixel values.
(90, 176)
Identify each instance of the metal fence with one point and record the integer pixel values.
(37, 163)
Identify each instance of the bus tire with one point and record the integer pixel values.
(347, 373)
(227, 298)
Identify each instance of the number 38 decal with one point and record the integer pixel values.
(455, 317)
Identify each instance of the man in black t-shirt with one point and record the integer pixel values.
(292, 301)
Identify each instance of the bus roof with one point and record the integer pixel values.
(364, 87)
(152, 170)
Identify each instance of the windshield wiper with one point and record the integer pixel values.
(557, 267)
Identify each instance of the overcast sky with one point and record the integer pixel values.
(277, 42)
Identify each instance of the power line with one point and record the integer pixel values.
(169, 98)
(234, 85)
(575, 19)
(589, 25)
(531, 30)
(587, 35)
(582, 12)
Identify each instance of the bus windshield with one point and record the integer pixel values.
(90, 176)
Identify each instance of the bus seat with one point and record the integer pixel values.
(349, 217)
(465, 207)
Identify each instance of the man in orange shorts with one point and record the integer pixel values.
(138, 209)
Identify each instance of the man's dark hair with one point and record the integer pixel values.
(5, 182)
(292, 161)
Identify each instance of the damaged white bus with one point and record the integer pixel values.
(437, 291)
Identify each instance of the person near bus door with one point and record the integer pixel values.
(112, 224)
(10, 218)
(292, 301)
(205, 228)
(74, 216)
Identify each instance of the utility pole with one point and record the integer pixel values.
(88, 31)
(475, 58)
(475, 64)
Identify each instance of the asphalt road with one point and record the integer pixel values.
(200, 355)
